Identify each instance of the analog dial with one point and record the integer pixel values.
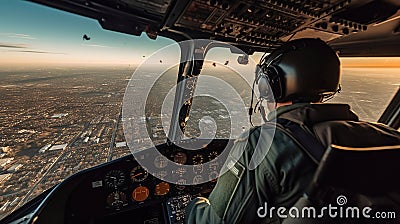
(162, 188)
(198, 159)
(138, 174)
(180, 158)
(114, 179)
(116, 200)
(140, 193)
(212, 155)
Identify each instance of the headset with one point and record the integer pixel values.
(271, 74)
(271, 79)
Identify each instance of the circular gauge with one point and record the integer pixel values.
(212, 155)
(162, 188)
(180, 158)
(198, 169)
(114, 179)
(138, 174)
(116, 200)
(213, 176)
(198, 159)
(140, 193)
(160, 162)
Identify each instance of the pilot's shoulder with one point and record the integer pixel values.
(385, 130)
(245, 135)
(385, 127)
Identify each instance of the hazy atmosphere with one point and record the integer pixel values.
(61, 95)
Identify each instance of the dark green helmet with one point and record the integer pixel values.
(302, 70)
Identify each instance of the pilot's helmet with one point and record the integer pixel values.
(302, 70)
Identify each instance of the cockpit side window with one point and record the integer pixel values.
(368, 85)
(62, 82)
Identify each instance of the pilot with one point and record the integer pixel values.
(301, 74)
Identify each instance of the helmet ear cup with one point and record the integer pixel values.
(302, 70)
(276, 81)
(270, 83)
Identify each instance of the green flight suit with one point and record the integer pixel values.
(286, 170)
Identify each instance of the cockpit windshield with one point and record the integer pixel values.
(62, 79)
(62, 83)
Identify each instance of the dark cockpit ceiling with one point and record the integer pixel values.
(353, 27)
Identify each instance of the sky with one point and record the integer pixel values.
(32, 34)
(388, 62)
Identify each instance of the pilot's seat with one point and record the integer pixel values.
(353, 177)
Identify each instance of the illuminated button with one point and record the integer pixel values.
(140, 193)
(114, 179)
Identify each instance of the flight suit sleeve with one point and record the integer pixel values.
(237, 194)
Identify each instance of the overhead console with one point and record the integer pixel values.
(260, 25)
(266, 24)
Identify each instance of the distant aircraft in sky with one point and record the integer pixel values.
(226, 63)
(215, 65)
(85, 37)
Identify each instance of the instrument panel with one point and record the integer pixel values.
(123, 189)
